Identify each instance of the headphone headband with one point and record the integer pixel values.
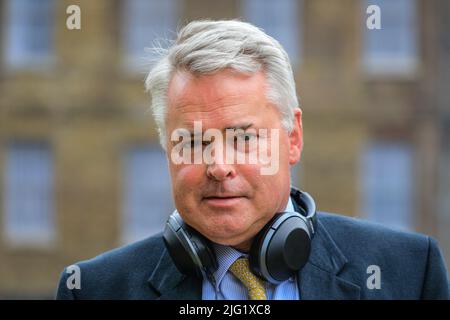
(309, 204)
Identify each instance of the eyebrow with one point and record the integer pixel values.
(243, 126)
(181, 130)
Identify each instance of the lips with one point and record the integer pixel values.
(222, 196)
(223, 200)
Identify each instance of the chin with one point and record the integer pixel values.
(224, 235)
(226, 240)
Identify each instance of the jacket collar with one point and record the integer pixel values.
(319, 278)
(172, 284)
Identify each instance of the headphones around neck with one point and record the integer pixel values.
(279, 250)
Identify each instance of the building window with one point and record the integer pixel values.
(393, 49)
(28, 33)
(280, 19)
(387, 184)
(147, 196)
(145, 23)
(28, 204)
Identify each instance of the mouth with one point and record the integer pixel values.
(223, 201)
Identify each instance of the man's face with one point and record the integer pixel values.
(229, 202)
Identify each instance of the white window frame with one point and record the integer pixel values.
(159, 31)
(387, 184)
(289, 31)
(392, 63)
(145, 178)
(18, 22)
(28, 197)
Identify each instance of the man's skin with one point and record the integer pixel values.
(229, 203)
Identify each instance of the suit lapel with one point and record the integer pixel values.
(171, 284)
(319, 279)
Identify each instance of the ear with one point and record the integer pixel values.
(296, 138)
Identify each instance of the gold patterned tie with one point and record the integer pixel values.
(255, 286)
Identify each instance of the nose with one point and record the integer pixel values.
(219, 170)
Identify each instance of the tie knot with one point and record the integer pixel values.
(255, 286)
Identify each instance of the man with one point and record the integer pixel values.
(228, 78)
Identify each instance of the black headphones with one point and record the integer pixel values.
(280, 248)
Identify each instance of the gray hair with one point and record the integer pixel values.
(206, 47)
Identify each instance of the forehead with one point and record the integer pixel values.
(221, 96)
(220, 85)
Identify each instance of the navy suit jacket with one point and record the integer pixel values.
(411, 267)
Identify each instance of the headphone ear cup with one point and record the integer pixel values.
(178, 252)
(255, 258)
(204, 251)
(190, 251)
(281, 248)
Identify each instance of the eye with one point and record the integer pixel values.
(191, 143)
(247, 137)
(197, 143)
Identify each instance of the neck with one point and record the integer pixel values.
(244, 246)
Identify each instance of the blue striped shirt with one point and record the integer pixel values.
(225, 286)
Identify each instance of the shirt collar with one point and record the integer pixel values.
(226, 255)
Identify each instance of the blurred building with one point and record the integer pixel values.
(81, 169)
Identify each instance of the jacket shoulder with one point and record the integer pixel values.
(411, 264)
(121, 273)
(137, 254)
(345, 227)
(361, 240)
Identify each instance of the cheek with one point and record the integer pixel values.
(250, 176)
(185, 180)
(249, 171)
